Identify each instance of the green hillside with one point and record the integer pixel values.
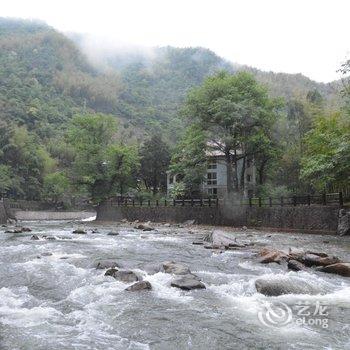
(46, 78)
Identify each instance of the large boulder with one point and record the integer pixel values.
(123, 276)
(175, 268)
(286, 285)
(188, 282)
(296, 265)
(343, 223)
(268, 256)
(106, 264)
(142, 285)
(342, 269)
(317, 260)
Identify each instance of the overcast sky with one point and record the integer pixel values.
(295, 36)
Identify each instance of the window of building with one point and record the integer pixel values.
(212, 164)
(249, 163)
(249, 178)
(211, 179)
(171, 179)
(212, 192)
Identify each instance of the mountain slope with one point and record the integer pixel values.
(46, 77)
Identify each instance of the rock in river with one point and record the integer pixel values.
(295, 265)
(123, 276)
(272, 255)
(80, 231)
(287, 285)
(188, 282)
(113, 233)
(317, 260)
(142, 285)
(342, 269)
(144, 227)
(106, 264)
(175, 268)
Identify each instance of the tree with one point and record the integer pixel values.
(100, 165)
(26, 159)
(6, 179)
(232, 109)
(155, 159)
(122, 167)
(189, 159)
(326, 163)
(55, 188)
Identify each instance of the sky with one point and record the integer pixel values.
(294, 36)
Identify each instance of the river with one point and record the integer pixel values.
(53, 297)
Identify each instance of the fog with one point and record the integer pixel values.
(308, 37)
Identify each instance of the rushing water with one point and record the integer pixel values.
(62, 302)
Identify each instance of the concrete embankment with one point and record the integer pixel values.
(52, 215)
(302, 218)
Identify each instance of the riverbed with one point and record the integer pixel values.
(53, 297)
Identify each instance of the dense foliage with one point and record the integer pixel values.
(59, 115)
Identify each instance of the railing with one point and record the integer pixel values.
(323, 199)
(335, 199)
(204, 202)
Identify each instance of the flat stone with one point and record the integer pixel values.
(316, 260)
(106, 264)
(175, 268)
(80, 232)
(272, 256)
(188, 282)
(342, 269)
(198, 242)
(144, 227)
(123, 276)
(50, 238)
(142, 285)
(112, 233)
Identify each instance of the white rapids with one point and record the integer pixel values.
(53, 298)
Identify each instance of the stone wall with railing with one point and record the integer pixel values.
(314, 218)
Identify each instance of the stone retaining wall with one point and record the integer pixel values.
(202, 215)
(303, 218)
(52, 215)
(3, 215)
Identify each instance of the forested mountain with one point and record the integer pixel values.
(46, 78)
(51, 84)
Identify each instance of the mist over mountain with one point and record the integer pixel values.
(47, 76)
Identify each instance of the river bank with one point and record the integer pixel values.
(53, 297)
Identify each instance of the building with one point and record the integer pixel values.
(215, 182)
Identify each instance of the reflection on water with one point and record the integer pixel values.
(52, 297)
